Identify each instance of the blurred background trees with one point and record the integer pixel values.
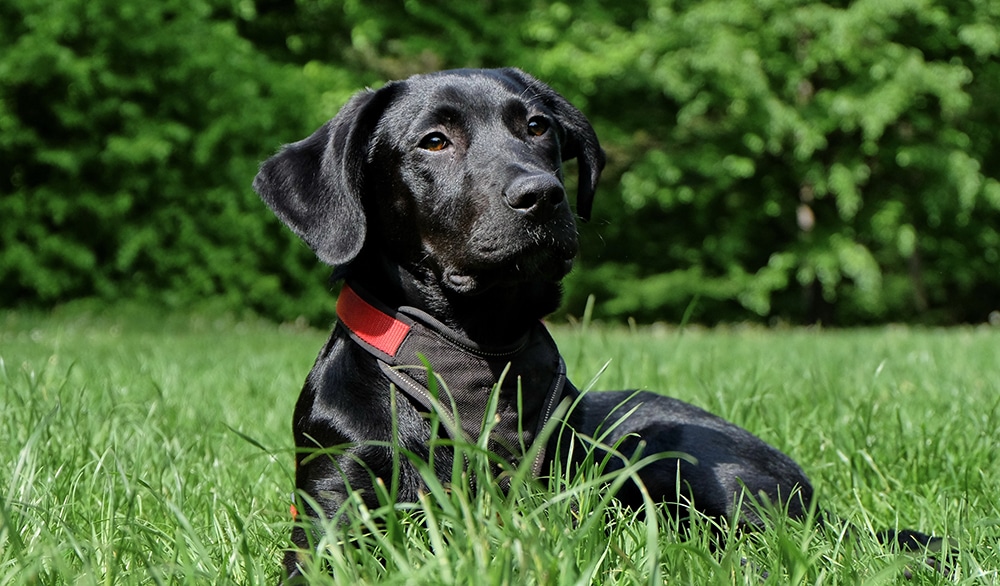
(769, 160)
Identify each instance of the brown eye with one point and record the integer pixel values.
(538, 126)
(434, 141)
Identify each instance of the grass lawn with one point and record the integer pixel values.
(157, 449)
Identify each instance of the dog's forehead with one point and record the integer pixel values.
(468, 93)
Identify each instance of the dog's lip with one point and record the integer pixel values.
(461, 283)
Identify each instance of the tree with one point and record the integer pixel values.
(799, 160)
(130, 133)
(773, 160)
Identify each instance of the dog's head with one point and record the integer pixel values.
(456, 176)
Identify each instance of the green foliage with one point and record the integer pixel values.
(769, 160)
(129, 133)
(803, 161)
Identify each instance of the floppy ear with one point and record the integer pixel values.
(581, 140)
(314, 185)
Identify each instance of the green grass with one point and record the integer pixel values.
(139, 448)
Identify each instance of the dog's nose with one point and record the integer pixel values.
(535, 195)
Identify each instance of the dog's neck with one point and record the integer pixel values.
(495, 317)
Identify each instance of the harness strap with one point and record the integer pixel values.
(467, 374)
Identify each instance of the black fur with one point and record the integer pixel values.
(478, 234)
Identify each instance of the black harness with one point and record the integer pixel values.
(529, 376)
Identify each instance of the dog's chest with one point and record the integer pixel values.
(511, 391)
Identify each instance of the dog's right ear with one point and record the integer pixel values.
(314, 185)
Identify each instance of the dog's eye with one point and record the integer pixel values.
(538, 126)
(434, 141)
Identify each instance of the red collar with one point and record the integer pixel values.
(372, 325)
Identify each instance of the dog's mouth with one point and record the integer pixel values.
(498, 254)
(525, 269)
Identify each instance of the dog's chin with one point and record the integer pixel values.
(480, 280)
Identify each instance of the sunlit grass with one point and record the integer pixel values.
(137, 448)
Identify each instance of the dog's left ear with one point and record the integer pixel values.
(314, 185)
(581, 140)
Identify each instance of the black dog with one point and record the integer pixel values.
(440, 201)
